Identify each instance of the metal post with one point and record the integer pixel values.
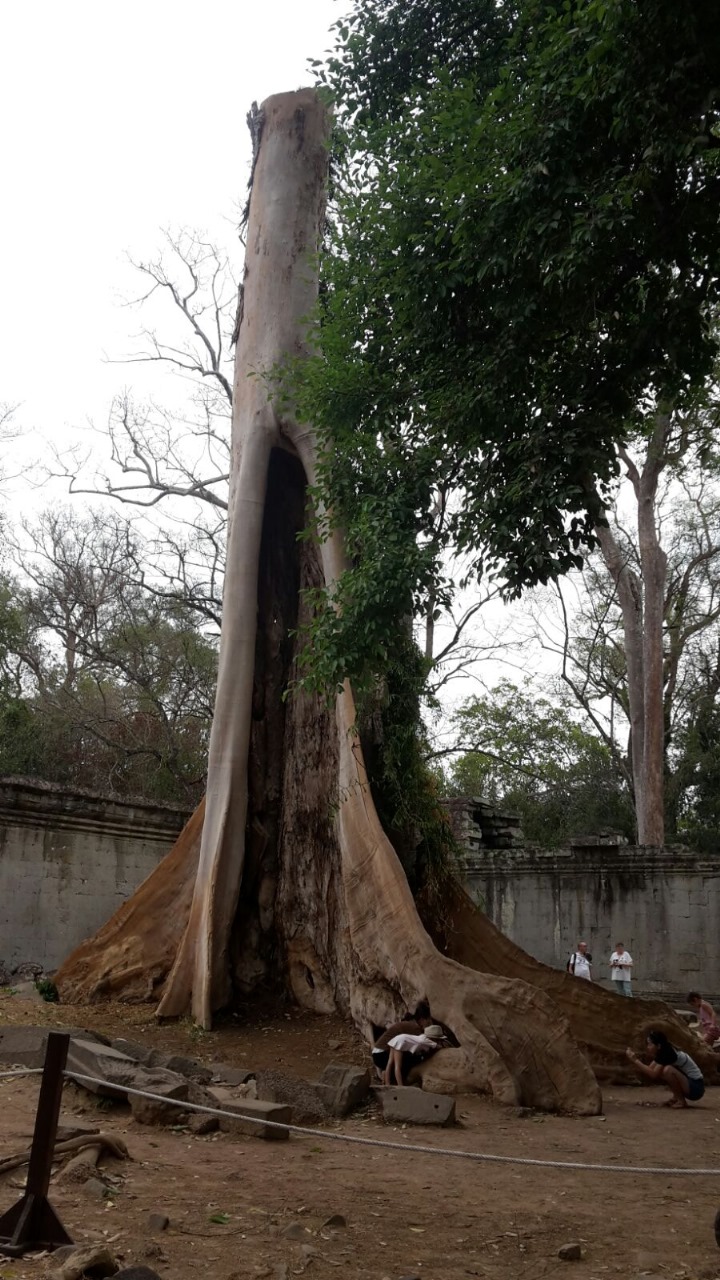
(32, 1223)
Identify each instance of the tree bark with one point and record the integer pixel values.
(653, 563)
(293, 879)
(642, 602)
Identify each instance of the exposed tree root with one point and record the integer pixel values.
(130, 957)
(293, 877)
(603, 1023)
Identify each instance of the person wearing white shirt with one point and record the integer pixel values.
(580, 963)
(621, 970)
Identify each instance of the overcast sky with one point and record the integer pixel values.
(118, 119)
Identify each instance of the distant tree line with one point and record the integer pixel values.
(105, 683)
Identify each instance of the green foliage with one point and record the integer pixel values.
(104, 684)
(47, 989)
(405, 791)
(696, 783)
(530, 756)
(524, 259)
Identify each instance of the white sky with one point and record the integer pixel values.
(120, 119)
(117, 119)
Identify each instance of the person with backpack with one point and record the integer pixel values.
(580, 962)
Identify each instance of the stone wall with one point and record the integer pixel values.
(67, 862)
(664, 904)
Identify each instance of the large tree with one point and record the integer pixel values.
(531, 755)
(639, 647)
(288, 871)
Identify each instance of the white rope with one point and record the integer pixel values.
(27, 1071)
(390, 1146)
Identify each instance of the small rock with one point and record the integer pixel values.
(28, 970)
(335, 1220)
(201, 1124)
(334, 1044)
(158, 1221)
(96, 1188)
(153, 1250)
(87, 1260)
(293, 1232)
(570, 1253)
(222, 1074)
(182, 1066)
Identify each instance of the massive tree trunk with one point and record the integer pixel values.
(290, 877)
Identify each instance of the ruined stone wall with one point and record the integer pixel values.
(67, 861)
(664, 904)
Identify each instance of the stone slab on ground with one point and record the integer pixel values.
(249, 1111)
(150, 1110)
(101, 1061)
(24, 1046)
(224, 1074)
(131, 1049)
(415, 1106)
(296, 1093)
(342, 1088)
(117, 1074)
(182, 1066)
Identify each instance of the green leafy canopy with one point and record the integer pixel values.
(524, 255)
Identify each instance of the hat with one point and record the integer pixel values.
(434, 1032)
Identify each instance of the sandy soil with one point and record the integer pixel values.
(405, 1215)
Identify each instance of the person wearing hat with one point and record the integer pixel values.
(416, 1047)
(412, 1024)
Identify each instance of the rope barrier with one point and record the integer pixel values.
(27, 1071)
(413, 1148)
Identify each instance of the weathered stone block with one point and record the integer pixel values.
(101, 1061)
(25, 1046)
(182, 1066)
(252, 1116)
(230, 1075)
(342, 1088)
(150, 1110)
(130, 1049)
(414, 1106)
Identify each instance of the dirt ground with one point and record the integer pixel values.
(243, 1209)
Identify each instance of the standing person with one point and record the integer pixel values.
(580, 962)
(621, 970)
(672, 1067)
(709, 1028)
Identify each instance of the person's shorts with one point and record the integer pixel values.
(381, 1057)
(696, 1089)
